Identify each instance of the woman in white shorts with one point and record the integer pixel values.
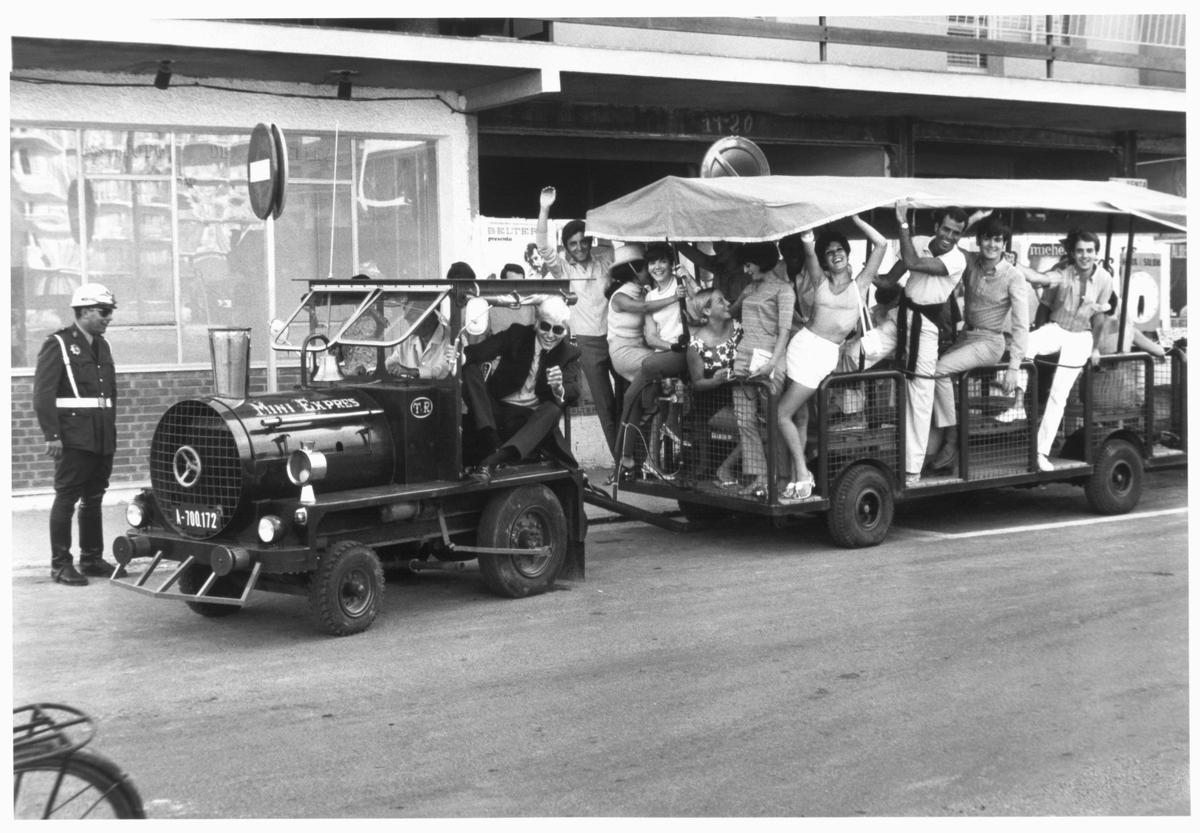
(814, 350)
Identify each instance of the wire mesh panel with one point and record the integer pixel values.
(1118, 394)
(997, 427)
(1169, 435)
(861, 423)
(195, 469)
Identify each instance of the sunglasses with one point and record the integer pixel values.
(105, 312)
(547, 327)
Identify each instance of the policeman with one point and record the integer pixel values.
(74, 396)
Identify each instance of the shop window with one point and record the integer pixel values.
(164, 220)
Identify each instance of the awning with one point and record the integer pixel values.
(763, 208)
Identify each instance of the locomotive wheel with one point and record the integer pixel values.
(1115, 486)
(227, 587)
(860, 510)
(524, 518)
(346, 590)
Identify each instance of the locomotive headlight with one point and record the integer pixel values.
(270, 529)
(306, 465)
(135, 514)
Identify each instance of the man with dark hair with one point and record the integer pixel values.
(995, 297)
(519, 407)
(74, 397)
(927, 317)
(460, 271)
(588, 272)
(503, 317)
(1077, 297)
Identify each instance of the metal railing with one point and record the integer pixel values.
(1140, 42)
(1099, 31)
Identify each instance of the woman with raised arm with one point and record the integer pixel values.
(814, 350)
(627, 311)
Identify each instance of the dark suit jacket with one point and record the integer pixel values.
(89, 429)
(514, 348)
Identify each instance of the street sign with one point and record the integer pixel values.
(262, 172)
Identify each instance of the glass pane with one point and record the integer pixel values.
(213, 156)
(302, 240)
(104, 152)
(140, 345)
(130, 249)
(396, 202)
(43, 236)
(311, 157)
(222, 245)
(150, 154)
(321, 312)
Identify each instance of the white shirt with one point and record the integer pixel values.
(527, 397)
(667, 319)
(923, 288)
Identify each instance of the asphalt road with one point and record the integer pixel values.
(1001, 654)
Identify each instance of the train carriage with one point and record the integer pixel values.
(1124, 417)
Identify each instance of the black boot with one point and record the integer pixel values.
(95, 565)
(67, 574)
(62, 570)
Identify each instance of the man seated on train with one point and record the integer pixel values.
(995, 299)
(517, 409)
(1076, 296)
(428, 353)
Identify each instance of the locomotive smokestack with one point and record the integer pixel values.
(230, 349)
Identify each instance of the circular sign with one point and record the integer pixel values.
(281, 176)
(421, 407)
(1143, 299)
(734, 156)
(262, 172)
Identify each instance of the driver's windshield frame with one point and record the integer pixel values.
(428, 297)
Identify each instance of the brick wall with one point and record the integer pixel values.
(142, 397)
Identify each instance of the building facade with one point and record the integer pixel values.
(129, 148)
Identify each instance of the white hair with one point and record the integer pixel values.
(554, 309)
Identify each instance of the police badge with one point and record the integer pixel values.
(75, 351)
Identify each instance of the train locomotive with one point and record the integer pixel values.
(313, 490)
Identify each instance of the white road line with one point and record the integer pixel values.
(1008, 530)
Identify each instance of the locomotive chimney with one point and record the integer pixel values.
(230, 348)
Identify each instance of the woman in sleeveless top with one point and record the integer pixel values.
(813, 351)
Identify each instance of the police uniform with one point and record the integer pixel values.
(74, 396)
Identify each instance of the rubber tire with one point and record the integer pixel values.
(522, 518)
(1115, 485)
(118, 791)
(193, 579)
(861, 507)
(348, 566)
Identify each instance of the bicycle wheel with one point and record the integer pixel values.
(82, 785)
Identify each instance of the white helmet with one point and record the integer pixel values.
(93, 295)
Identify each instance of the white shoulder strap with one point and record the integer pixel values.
(67, 364)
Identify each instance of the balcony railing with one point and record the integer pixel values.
(1141, 42)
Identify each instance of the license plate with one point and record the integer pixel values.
(202, 518)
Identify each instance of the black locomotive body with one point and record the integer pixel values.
(314, 490)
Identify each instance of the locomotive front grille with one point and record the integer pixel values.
(195, 470)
